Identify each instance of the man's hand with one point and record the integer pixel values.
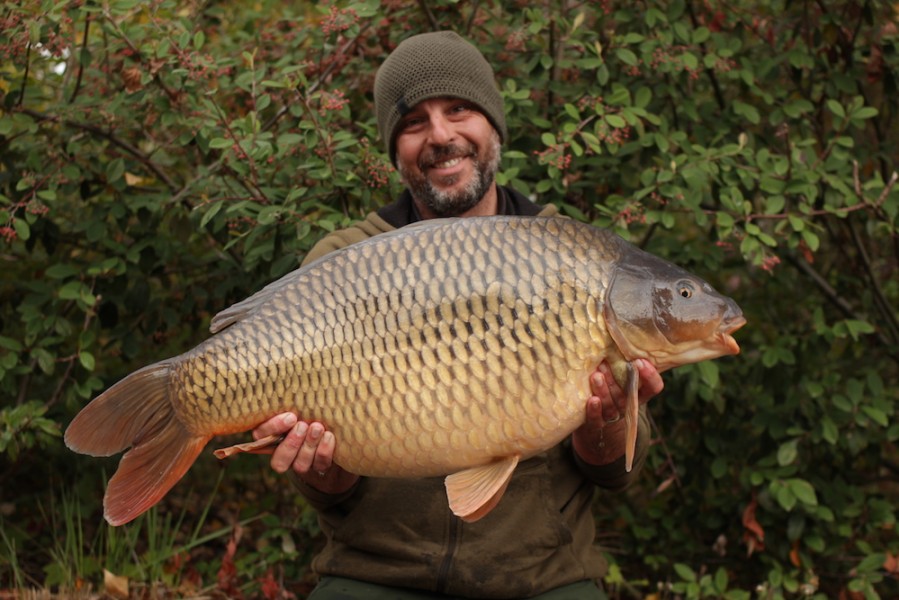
(601, 439)
(308, 449)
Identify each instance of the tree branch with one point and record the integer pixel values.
(87, 27)
(834, 297)
(111, 137)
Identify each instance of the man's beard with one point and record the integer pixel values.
(446, 203)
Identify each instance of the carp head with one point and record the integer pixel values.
(661, 312)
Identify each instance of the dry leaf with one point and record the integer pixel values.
(753, 534)
(116, 586)
(131, 76)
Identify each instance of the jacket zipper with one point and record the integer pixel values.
(452, 542)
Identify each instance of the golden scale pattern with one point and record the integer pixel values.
(451, 342)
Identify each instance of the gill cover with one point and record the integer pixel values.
(660, 312)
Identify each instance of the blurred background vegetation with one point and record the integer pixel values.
(161, 160)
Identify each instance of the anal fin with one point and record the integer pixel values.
(474, 492)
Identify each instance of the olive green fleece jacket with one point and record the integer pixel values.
(401, 533)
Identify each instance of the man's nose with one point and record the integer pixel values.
(441, 131)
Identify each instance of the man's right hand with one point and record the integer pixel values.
(308, 449)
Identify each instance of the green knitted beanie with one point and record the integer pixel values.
(433, 65)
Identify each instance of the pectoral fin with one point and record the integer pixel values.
(631, 416)
(254, 447)
(474, 492)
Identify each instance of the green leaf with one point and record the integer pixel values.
(211, 212)
(803, 491)
(23, 231)
(10, 344)
(627, 56)
(747, 111)
(836, 108)
(787, 453)
(876, 415)
(643, 97)
(115, 170)
(615, 121)
(866, 112)
(785, 496)
(684, 572)
(220, 143)
(61, 271)
(87, 360)
(71, 290)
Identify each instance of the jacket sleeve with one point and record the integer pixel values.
(336, 240)
(317, 499)
(613, 476)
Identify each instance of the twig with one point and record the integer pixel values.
(109, 135)
(432, 21)
(185, 189)
(716, 87)
(470, 23)
(834, 297)
(879, 298)
(87, 27)
(863, 205)
(25, 75)
(173, 96)
(669, 458)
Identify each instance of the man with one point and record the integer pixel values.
(441, 116)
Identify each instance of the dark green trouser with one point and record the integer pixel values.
(340, 588)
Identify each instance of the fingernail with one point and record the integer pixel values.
(289, 419)
(301, 428)
(315, 431)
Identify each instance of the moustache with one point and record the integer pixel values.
(438, 154)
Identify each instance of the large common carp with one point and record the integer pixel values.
(451, 347)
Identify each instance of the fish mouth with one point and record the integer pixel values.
(727, 328)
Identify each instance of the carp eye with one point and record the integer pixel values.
(685, 289)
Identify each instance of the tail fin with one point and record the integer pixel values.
(136, 412)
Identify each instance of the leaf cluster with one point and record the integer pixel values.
(161, 160)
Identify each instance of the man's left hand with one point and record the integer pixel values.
(601, 439)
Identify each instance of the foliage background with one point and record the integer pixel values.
(160, 160)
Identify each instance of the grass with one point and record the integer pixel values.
(56, 545)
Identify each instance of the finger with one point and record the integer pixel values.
(286, 452)
(594, 412)
(598, 386)
(276, 425)
(306, 455)
(610, 394)
(324, 455)
(651, 383)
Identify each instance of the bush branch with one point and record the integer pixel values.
(111, 137)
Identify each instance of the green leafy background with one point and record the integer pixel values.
(161, 160)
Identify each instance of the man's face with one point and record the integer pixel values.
(448, 154)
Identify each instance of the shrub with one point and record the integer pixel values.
(162, 160)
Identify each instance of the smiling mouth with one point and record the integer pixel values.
(446, 164)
